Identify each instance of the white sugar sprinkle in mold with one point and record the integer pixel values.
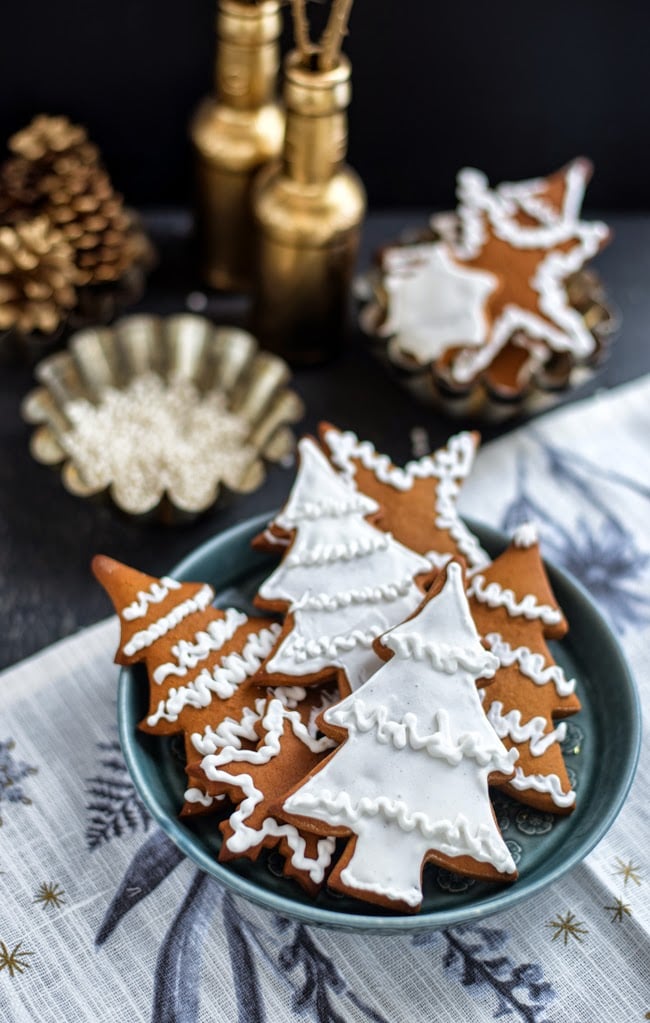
(153, 437)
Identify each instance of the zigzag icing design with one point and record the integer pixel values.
(244, 837)
(533, 732)
(455, 460)
(549, 783)
(438, 744)
(532, 665)
(494, 595)
(333, 509)
(146, 637)
(230, 732)
(188, 653)
(448, 465)
(442, 656)
(301, 649)
(156, 593)
(454, 838)
(322, 554)
(222, 680)
(367, 595)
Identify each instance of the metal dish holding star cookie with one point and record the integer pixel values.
(491, 311)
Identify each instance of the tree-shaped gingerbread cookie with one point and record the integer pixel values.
(515, 612)
(341, 581)
(410, 782)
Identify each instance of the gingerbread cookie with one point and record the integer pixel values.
(410, 781)
(491, 296)
(197, 658)
(341, 581)
(196, 655)
(515, 611)
(418, 502)
(289, 747)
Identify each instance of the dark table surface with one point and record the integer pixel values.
(47, 537)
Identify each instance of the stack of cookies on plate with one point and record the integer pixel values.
(398, 676)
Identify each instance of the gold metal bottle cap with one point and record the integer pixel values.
(249, 24)
(316, 93)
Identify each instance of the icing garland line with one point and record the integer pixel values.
(222, 680)
(188, 654)
(548, 783)
(244, 837)
(146, 637)
(561, 326)
(454, 838)
(323, 553)
(438, 744)
(356, 504)
(367, 595)
(442, 656)
(448, 465)
(533, 732)
(156, 593)
(230, 732)
(448, 520)
(455, 460)
(301, 649)
(532, 665)
(494, 595)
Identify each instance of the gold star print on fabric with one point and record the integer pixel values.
(619, 910)
(567, 926)
(50, 895)
(628, 871)
(13, 961)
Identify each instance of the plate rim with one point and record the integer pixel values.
(502, 899)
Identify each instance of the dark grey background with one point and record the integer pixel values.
(514, 88)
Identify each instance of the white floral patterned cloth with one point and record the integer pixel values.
(101, 918)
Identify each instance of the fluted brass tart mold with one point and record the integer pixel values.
(222, 372)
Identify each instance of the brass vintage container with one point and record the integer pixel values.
(233, 134)
(308, 207)
(105, 407)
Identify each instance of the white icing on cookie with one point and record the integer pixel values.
(245, 837)
(425, 313)
(194, 795)
(343, 550)
(494, 595)
(146, 637)
(449, 466)
(344, 581)
(530, 664)
(548, 783)
(427, 749)
(434, 301)
(230, 732)
(558, 324)
(188, 653)
(368, 595)
(533, 732)
(220, 680)
(156, 593)
(525, 535)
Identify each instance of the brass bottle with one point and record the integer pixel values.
(308, 208)
(233, 134)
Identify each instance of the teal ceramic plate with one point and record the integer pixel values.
(544, 846)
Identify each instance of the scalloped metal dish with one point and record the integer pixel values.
(610, 715)
(186, 346)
